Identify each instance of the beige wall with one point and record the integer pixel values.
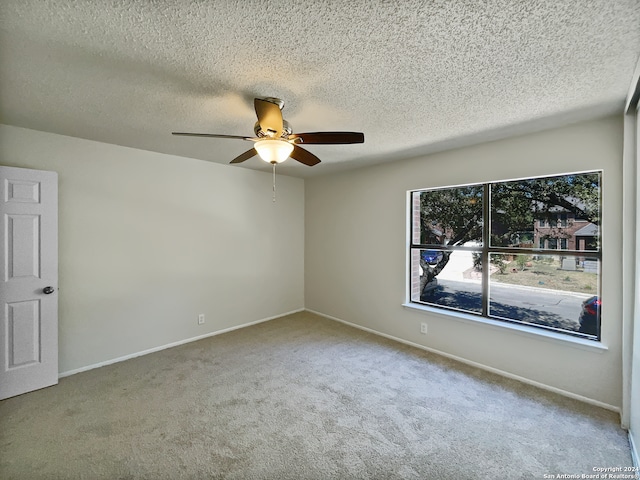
(355, 254)
(148, 241)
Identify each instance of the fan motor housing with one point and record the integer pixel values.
(286, 130)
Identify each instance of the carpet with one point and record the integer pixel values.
(301, 397)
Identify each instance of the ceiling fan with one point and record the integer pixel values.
(274, 141)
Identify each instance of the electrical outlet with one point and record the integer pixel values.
(423, 328)
(201, 319)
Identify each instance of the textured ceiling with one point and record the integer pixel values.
(415, 76)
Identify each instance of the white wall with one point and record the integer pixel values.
(148, 241)
(355, 253)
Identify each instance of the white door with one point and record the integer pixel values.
(29, 282)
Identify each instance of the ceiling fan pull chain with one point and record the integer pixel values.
(274, 181)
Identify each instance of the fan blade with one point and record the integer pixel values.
(245, 156)
(213, 135)
(328, 137)
(304, 156)
(269, 116)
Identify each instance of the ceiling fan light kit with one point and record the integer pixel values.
(273, 151)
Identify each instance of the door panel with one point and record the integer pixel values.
(23, 246)
(28, 316)
(23, 328)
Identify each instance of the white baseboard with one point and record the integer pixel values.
(478, 365)
(634, 451)
(170, 345)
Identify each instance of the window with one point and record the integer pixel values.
(562, 217)
(505, 251)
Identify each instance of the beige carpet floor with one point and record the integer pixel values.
(301, 397)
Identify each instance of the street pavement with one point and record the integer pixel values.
(553, 308)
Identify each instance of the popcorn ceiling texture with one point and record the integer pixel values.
(413, 75)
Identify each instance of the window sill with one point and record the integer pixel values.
(525, 330)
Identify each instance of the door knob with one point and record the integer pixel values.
(48, 290)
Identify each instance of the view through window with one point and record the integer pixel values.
(525, 251)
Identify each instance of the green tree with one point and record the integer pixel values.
(515, 206)
(522, 260)
(499, 261)
(448, 217)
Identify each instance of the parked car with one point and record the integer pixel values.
(432, 257)
(590, 316)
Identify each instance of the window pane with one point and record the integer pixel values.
(563, 219)
(448, 278)
(451, 216)
(525, 213)
(559, 292)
